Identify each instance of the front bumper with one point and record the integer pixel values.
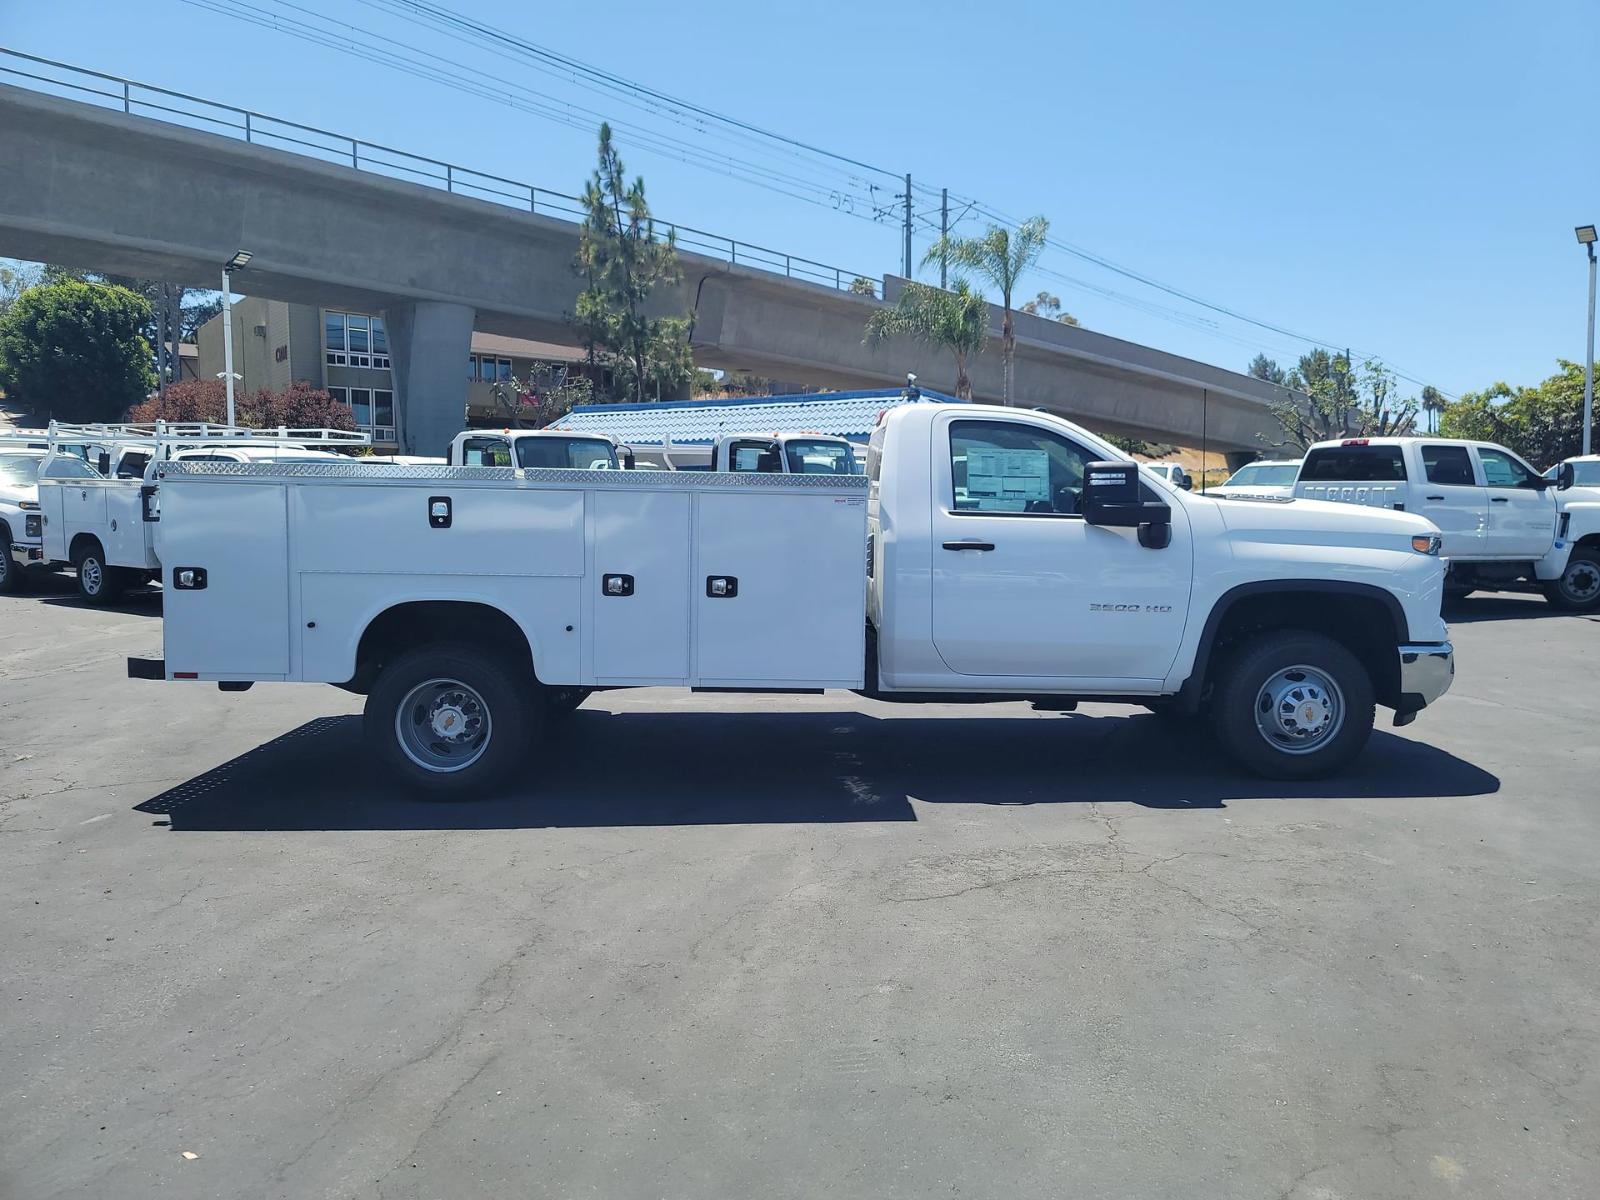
(1426, 673)
(27, 554)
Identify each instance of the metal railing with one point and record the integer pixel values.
(193, 112)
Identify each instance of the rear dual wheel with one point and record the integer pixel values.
(450, 721)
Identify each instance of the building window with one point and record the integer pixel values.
(361, 406)
(342, 395)
(485, 368)
(383, 410)
(355, 340)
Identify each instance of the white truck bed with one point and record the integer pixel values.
(298, 559)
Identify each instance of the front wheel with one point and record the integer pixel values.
(98, 583)
(10, 573)
(449, 720)
(1292, 705)
(1578, 588)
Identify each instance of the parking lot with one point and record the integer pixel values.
(743, 946)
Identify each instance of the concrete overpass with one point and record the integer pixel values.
(128, 194)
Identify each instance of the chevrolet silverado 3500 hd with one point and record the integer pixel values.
(988, 554)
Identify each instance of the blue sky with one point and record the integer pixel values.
(1399, 177)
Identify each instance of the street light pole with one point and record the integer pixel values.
(227, 336)
(236, 263)
(1586, 235)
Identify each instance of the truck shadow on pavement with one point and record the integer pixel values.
(650, 768)
(1504, 606)
(61, 591)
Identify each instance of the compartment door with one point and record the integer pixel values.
(641, 634)
(237, 626)
(798, 615)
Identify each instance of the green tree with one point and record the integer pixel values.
(548, 393)
(1264, 368)
(13, 282)
(622, 260)
(75, 351)
(1339, 400)
(862, 286)
(1048, 305)
(957, 320)
(1543, 423)
(1432, 406)
(1001, 257)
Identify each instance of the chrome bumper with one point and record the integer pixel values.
(1426, 673)
(26, 555)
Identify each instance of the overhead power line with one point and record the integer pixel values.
(749, 153)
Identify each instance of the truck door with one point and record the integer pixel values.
(1022, 585)
(1453, 501)
(1522, 517)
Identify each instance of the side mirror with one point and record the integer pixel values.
(627, 459)
(103, 464)
(1111, 498)
(1186, 482)
(1566, 476)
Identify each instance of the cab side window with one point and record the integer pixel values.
(485, 452)
(1448, 465)
(1011, 467)
(70, 468)
(1501, 470)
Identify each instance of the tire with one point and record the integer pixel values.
(1268, 737)
(1578, 589)
(418, 695)
(98, 584)
(11, 575)
(562, 702)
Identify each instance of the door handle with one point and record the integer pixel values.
(1433, 497)
(969, 545)
(1500, 499)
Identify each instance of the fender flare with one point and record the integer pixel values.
(1189, 692)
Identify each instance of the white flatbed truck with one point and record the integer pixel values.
(989, 554)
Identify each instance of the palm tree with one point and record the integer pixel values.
(1433, 405)
(957, 320)
(1001, 256)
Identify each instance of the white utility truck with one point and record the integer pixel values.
(21, 523)
(556, 449)
(990, 554)
(1502, 522)
(98, 517)
(759, 453)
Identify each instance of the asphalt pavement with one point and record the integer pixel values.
(722, 946)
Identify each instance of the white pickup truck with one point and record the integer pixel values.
(538, 448)
(991, 554)
(1502, 522)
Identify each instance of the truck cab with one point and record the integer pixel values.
(541, 448)
(784, 454)
(1502, 522)
(21, 522)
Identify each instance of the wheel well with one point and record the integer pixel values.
(1590, 541)
(1361, 622)
(84, 539)
(419, 622)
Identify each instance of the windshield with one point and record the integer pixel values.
(1262, 475)
(586, 454)
(819, 458)
(19, 470)
(1584, 474)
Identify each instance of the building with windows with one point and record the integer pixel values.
(346, 354)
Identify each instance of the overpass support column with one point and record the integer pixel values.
(1236, 458)
(429, 342)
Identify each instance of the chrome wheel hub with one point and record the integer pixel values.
(1299, 709)
(1581, 581)
(443, 725)
(91, 575)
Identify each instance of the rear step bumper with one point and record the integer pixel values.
(147, 668)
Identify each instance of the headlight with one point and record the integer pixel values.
(1425, 543)
(30, 526)
(28, 505)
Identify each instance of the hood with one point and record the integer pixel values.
(1320, 521)
(10, 493)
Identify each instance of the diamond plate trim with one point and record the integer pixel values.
(650, 481)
